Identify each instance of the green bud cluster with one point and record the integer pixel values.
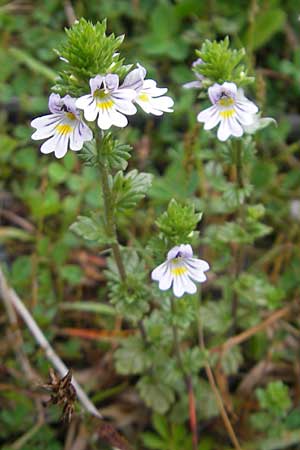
(220, 63)
(87, 52)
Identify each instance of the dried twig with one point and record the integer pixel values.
(219, 400)
(69, 11)
(11, 297)
(239, 338)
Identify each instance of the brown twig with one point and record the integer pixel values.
(10, 297)
(245, 335)
(69, 11)
(213, 385)
(13, 217)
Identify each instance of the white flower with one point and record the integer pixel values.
(107, 101)
(180, 269)
(63, 126)
(149, 97)
(230, 108)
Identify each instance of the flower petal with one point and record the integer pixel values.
(62, 146)
(214, 93)
(166, 280)
(189, 286)
(119, 120)
(173, 252)
(45, 121)
(124, 106)
(198, 264)
(164, 103)
(235, 127)
(186, 250)
(124, 94)
(213, 120)
(49, 145)
(96, 83)
(159, 271)
(207, 113)
(112, 81)
(55, 103)
(178, 286)
(155, 91)
(224, 130)
(134, 79)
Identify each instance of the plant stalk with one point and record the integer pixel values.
(111, 223)
(188, 382)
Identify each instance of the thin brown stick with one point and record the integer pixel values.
(69, 11)
(13, 299)
(217, 395)
(245, 335)
(20, 221)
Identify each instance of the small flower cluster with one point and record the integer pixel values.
(108, 102)
(230, 108)
(234, 113)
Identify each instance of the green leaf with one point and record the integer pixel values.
(232, 360)
(91, 229)
(256, 289)
(114, 152)
(161, 425)
(71, 273)
(129, 189)
(132, 357)
(156, 394)
(92, 307)
(275, 398)
(194, 359)
(153, 441)
(57, 172)
(130, 296)
(216, 316)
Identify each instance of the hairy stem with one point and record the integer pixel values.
(238, 251)
(111, 223)
(188, 382)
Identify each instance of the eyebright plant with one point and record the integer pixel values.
(94, 96)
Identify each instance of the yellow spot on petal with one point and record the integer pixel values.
(143, 97)
(70, 116)
(179, 270)
(105, 104)
(64, 129)
(227, 113)
(226, 101)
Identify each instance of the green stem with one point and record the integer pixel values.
(238, 252)
(109, 212)
(111, 223)
(187, 379)
(239, 164)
